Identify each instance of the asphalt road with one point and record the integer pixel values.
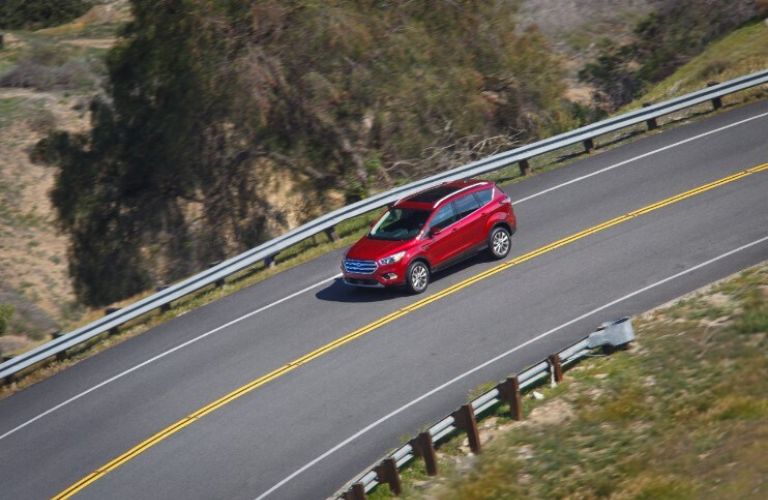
(305, 433)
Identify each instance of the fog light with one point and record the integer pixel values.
(390, 276)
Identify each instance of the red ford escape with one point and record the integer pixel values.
(429, 231)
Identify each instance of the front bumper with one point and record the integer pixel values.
(381, 277)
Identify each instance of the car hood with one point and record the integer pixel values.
(373, 249)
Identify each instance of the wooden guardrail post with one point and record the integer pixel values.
(331, 234)
(556, 367)
(525, 167)
(423, 447)
(355, 492)
(717, 102)
(465, 420)
(510, 394)
(651, 123)
(589, 145)
(388, 473)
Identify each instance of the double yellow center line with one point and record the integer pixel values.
(255, 384)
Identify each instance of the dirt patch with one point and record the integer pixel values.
(94, 43)
(33, 254)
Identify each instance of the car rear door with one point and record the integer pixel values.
(470, 222)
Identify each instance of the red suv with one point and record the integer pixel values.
(429, 231)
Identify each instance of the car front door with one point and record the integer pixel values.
(441, 240)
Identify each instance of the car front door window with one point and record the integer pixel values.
(444, 217)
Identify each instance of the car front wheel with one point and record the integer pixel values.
(499, 242)
(417, 277)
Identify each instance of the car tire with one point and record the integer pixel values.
(417, 277)
(499, 242)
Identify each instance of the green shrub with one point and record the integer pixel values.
(6, 313)
(664, 40)
(36, 14)
(206, 100)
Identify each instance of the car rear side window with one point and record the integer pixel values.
(444, 217)
(465, 206)
(484, 196)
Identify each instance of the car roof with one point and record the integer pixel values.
(430, 198)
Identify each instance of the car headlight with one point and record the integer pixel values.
(391, 259)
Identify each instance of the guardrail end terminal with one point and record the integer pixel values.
(612, 335)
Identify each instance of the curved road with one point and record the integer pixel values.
(311, 427)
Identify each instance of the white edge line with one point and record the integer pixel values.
(191, 341)
(164, 354)
(499, 357)
(640, 157)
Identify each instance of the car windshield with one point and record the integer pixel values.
(399, 224)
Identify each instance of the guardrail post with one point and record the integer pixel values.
(425, 449)
(650, 122)
(589, 145)
(556, 368)
(355, 492)
(388, 473)
(717, 102)
(269, 262)
(525, 167)
(331, 234)
(510, 394)
(465, 420)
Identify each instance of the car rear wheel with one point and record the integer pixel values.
(417, 277)
(499, 242)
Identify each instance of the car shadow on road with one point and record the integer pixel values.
(338, 291)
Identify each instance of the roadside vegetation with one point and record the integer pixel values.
(682, 414)
(662, 41)
(273, 146)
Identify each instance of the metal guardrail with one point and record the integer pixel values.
(267, 251)
(610, 335)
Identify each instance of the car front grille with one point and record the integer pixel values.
(360, 266)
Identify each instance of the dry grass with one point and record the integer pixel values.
(683, 414)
